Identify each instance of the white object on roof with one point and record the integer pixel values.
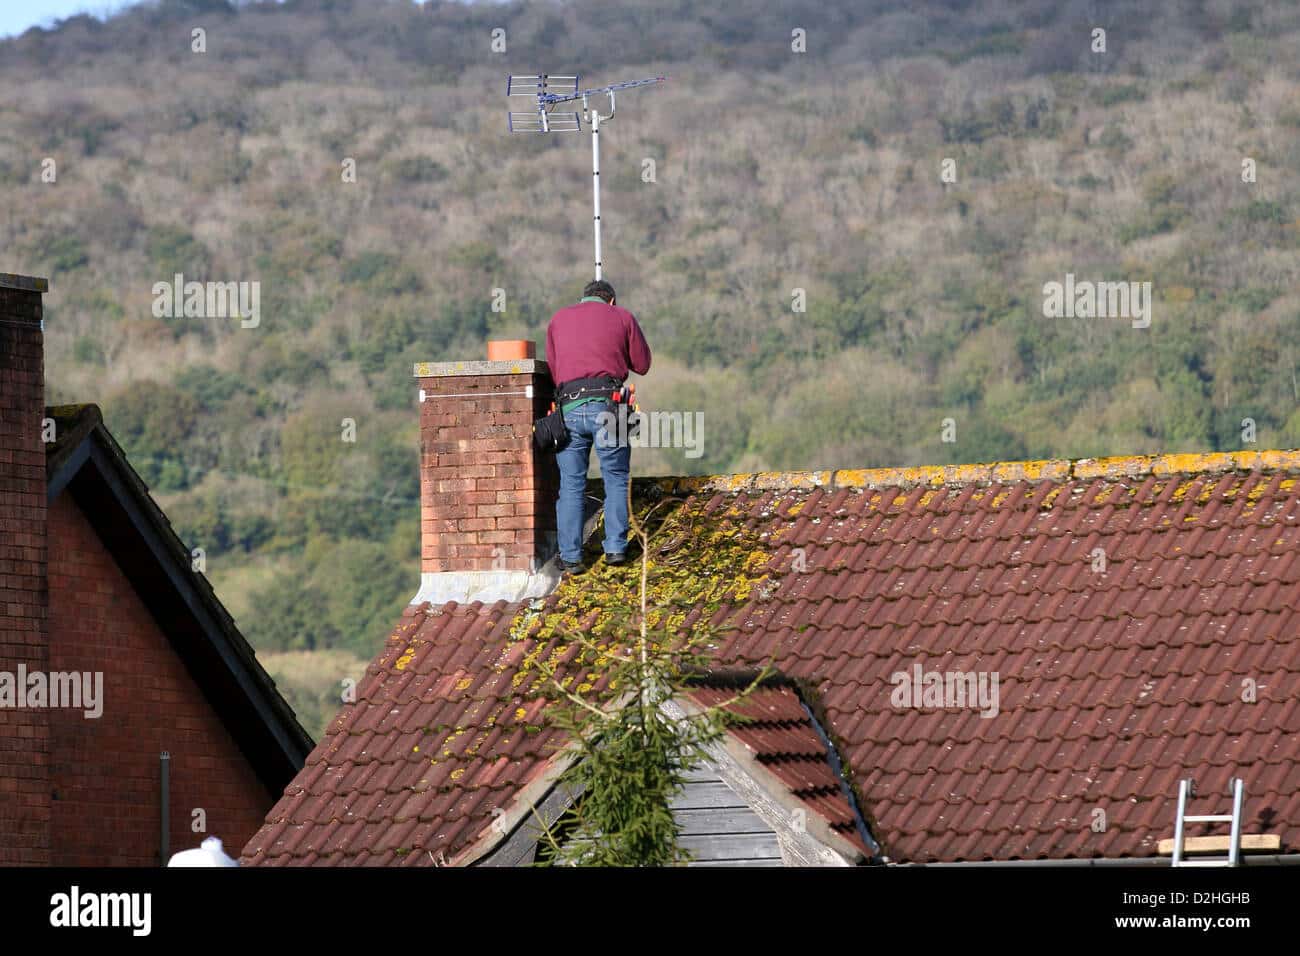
(209, 853)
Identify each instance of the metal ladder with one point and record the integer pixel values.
(1186, 789)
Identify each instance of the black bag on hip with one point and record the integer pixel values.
(550, 433)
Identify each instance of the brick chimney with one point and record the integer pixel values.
(487, 498)
(25, 809)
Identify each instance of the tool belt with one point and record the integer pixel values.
(551, 433)
(567, 392)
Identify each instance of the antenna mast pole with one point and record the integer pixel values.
(595, 118)
(542, 86)
(595, 181)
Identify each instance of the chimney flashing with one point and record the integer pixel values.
(487, 587)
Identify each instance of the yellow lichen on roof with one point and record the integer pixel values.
(698, 562)
(1046, 469)
(769, 481)
(1188, 464)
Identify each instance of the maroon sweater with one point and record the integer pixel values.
(594, 338)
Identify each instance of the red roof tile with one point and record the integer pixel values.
(1114, 681)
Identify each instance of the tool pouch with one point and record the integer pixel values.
(629, 419)
(550, 433)
(628, 410)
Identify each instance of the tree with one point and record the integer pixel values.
(631, 756)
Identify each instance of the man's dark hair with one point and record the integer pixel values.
(599, 288)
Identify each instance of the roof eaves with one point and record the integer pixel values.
(68, 452)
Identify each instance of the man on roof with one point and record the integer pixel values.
(591, 347)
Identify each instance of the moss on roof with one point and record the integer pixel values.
(704, 554)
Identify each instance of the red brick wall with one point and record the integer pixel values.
(24, 734)
(487, 500)
(104, 772)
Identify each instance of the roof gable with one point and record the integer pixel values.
(777, 764)
(87, 463)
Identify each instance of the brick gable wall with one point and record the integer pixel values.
(105, 771)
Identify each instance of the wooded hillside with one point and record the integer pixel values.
(774, 171)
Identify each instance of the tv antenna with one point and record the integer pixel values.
(549, 90)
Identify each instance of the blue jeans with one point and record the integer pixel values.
(587, 427)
